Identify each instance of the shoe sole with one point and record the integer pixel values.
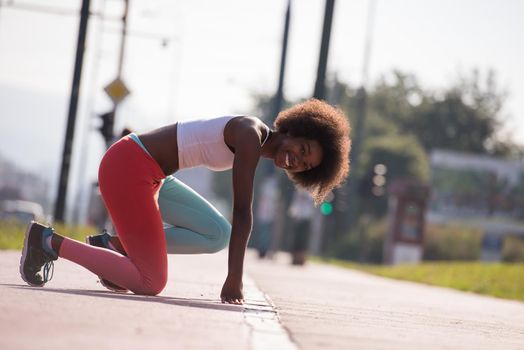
(101, 281)
(24, 256)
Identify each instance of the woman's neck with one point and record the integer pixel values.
(269, 150)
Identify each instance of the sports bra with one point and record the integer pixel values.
(201, 143)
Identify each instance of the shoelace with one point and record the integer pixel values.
(49, 267)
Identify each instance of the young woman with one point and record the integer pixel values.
(310, 142)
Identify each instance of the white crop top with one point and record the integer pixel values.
(201, 143)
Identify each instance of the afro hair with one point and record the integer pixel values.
(317, 120)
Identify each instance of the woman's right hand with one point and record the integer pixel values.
(232, 291)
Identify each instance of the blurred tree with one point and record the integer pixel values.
(451, 124)
(396, 98)
(465, 117)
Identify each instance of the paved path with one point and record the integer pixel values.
(322, 307)
(325, 307)
(73, 311)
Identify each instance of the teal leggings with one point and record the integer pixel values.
(191, 224)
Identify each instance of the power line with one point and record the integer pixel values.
(144, 35)
(52, 10)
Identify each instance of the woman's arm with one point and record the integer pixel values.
(247, 153)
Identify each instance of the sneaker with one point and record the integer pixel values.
(36, 255)
(102, 241)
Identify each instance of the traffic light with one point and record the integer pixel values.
(374, 182)
(326, 208)
(106, 129)
(379, 180)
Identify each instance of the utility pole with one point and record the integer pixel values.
(320, 84)
(361, 97)
(71, 118)
(322, 224)
(279, 96)
(278, 100)
(268, 174)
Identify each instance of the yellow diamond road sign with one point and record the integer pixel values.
(116, 90)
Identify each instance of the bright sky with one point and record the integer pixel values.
(220, 52)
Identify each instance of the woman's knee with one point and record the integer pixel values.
(221, 236)
(152, 290)
(153, 274)
(153, 284)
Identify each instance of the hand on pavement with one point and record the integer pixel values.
(232, 292)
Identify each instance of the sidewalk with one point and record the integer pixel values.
(326, 307)
(322, 307)
(73, 311)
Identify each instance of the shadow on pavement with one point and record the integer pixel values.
(198, 303)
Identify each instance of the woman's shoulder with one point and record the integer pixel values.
(246, 126)
(248, 121)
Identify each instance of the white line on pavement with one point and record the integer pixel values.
(266, 331)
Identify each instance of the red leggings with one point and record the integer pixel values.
(129, 182)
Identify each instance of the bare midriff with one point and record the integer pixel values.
(163, 146)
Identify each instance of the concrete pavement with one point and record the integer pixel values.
(322, 307)
(73, 311)
(326, 307)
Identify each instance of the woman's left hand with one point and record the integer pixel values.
(232, 292)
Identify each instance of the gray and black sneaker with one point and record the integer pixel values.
(37, 256)
(102, 241)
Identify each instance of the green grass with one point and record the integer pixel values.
(12, 233)
(496, 279)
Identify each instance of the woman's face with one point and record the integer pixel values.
(297, 154)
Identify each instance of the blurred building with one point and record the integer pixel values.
(22, 211)
(469, 186)
(18, 184)
(478, 191)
